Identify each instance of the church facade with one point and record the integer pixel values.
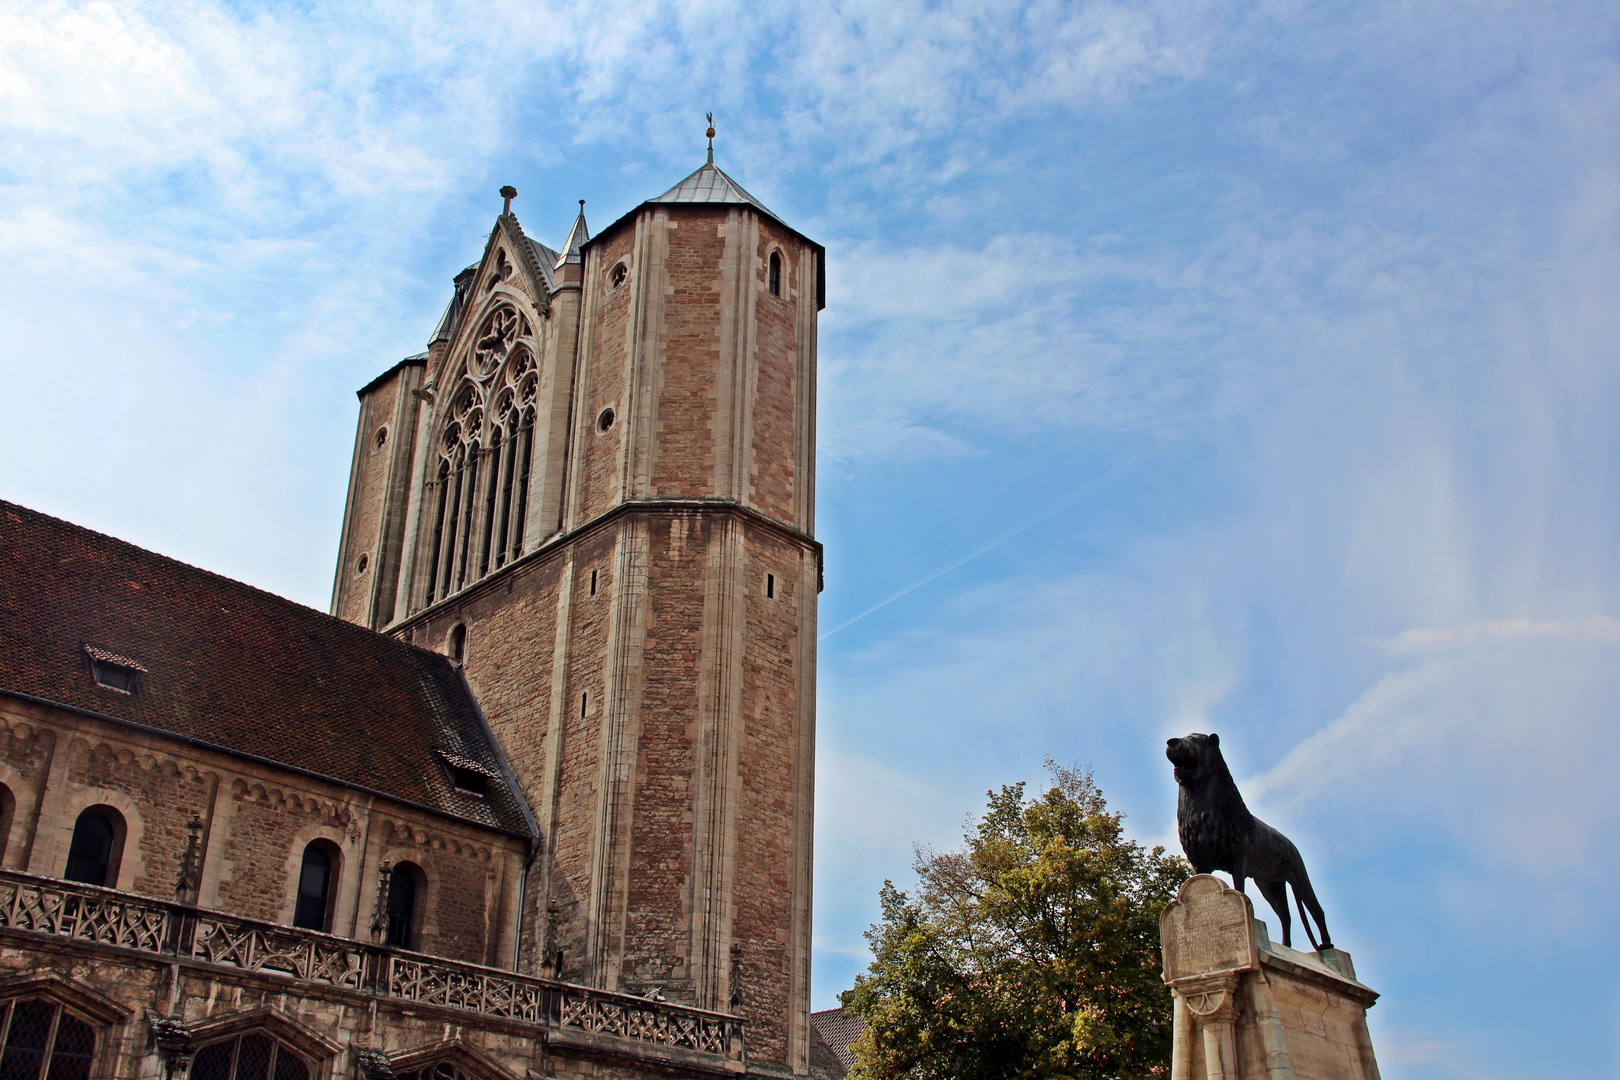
(536, 798)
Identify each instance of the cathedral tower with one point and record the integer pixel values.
(595, 491)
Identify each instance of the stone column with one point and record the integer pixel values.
(1246, 1009)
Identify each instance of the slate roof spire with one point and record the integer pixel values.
(576, 239)
(710, 185)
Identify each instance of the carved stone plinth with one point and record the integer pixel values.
(1246, 1009)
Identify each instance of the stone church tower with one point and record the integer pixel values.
(595, 492)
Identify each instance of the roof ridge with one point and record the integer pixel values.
(7, 506)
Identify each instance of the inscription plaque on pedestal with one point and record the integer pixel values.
(1206, 930)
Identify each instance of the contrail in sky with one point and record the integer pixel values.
(1028, 523)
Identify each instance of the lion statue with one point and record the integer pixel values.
(1218, 833)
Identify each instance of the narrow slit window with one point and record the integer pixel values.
(584, 705)
(776, 274)
(770, 586)
(593, 582)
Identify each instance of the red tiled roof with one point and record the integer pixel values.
(226, 664)
(838, 1029)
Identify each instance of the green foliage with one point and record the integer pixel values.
(1031, 953)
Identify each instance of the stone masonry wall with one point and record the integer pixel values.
(367, 504)
(658, 917)
(775, 407)
(683, 459)
(768, 766)
(607, 333)
(511, 629)
(322, 1026)
(257, 820)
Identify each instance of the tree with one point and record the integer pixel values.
(1030, 953)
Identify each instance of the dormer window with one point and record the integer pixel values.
(467, 776)
(469, 782)
(112, 671)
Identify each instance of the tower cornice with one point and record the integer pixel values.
(560, 541)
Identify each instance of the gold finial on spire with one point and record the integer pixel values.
(710, 133)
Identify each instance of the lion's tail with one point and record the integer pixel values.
(1305, 921)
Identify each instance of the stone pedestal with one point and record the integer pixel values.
(1246, 1009)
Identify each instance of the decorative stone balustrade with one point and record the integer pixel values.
(105, 917)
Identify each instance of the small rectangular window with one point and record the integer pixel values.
(112, 671)
(770, 586)
(593, 582)
(584, 705)
(469, 781)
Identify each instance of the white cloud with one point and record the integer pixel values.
(1435, 639)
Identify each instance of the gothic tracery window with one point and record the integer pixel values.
(44, 1042)
(479, 491)
(248, 1057)
(443, 1070)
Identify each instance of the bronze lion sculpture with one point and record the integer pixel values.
(1218, 833)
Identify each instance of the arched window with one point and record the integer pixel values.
(467, 505)
(43, 1042)
(454, 523)
(504, 532)
(456, 646)
(247, 1057)
(484, 452)
(97, 847)
(443, 1070)
(491, 494)
(402, 884)
(438, 529)
(313, 909)
(525, 443)
(775, 278)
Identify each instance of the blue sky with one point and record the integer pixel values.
(1300, 318)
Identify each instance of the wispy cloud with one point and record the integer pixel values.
(1351, 268)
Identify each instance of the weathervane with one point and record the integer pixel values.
(710, 133)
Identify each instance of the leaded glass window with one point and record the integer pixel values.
(44, 1042)
(249, 1057)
